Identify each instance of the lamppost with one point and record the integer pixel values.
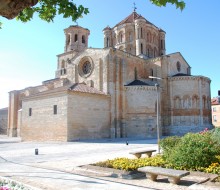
(158, 128)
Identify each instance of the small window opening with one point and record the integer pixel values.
(30, 111)
(55, 109)
(141, 48)
(76, 38)
(83, 40)
(141, 33)
(107, 42)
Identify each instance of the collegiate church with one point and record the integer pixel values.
(111, 92)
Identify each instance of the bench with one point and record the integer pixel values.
(138, 153)
(173, 175)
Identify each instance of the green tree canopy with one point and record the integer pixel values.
(48, 9)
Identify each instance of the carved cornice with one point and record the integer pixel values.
(154, 59)
(133, 88)
(176, 78)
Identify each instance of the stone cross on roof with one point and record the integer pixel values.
(134, 7)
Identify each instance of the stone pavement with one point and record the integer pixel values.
(57, 165)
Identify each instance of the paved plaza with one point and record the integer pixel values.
(57, 164)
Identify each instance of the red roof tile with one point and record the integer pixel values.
(77, 87)
(215, 101)
(131, 18)
(82, 87)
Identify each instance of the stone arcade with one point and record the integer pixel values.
(107, 93)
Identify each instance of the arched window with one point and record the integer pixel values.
(62, 70)
(151, 73)
(141, 48)
(107, 42)
(195, 102)
(186, 102)
(83, 39)
(141, 33)
(76, 38)
(121, 37)
(178, 66)
(177, 102)
(68, 39)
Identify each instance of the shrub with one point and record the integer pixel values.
(216, 135)
(132, 164)
(194, 151)
(167, 144)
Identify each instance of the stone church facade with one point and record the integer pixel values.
(108, 93)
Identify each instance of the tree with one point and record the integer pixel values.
(179, 3)
(48, 9)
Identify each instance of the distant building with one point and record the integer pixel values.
(3, 121)
(216, 111)
(107, 93)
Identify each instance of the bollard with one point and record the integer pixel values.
(36, 151)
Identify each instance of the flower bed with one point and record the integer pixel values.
(194, 152)
(8, 184)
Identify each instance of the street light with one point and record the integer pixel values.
(158, 129)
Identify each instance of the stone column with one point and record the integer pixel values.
(200, 104)
(19, 122)
(171, 101)
(112, 91)
(117, 98)
(13, 113)
(76, 74)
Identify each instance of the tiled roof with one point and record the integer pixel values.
(138, 83)
(131, 18)
(77, 26)
(82, 87)
(215, 101)
(77, 87)
(181, 74)
(107, 28)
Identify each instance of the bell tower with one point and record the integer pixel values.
(76, 38)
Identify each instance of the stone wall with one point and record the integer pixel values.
(140, 111)
(88, 116)
(190, 104)
(42, 124)
(3, 121)
(73, 63)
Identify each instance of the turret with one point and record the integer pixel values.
(139, 36)
(107, 37)
(76, 38)
(162, 42)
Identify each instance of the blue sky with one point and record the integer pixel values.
(28, 51)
